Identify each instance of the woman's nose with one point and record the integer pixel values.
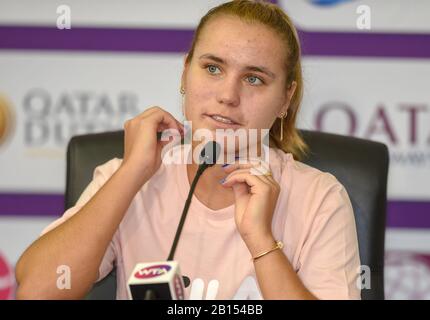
(228, 92)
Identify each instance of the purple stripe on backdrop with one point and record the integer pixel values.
(408, 214)
(31, 204)
(401, 214)
(94, 39)
(383, 45)
(178, 41)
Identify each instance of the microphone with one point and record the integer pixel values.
(156, 281)
(162, 280)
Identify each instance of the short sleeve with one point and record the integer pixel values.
(101, 175)
(329, 260)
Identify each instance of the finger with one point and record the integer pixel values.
(238, 171)
(165, 120)
(240, 165)
(156, 110)
(253, 171)
(240, 189)
(148, 112)
(264, 174)
(151, 110)
(255, 183)
(256, 167)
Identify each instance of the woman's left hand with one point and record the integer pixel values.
(256, 194)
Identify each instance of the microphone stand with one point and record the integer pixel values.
(207, 160)
(200, 170)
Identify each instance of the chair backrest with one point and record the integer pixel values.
(360, 165)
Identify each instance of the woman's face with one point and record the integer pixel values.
(237, 71)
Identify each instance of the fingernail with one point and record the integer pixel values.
(237, 157)
(222, 181)
(225, 165)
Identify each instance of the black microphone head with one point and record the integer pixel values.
(210, 153)
(186, 280)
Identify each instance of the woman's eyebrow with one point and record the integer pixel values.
(260, 69)
(211, 57)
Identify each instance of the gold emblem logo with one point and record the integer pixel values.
(6, 119)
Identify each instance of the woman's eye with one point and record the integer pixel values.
(254, 80)
(212, 69)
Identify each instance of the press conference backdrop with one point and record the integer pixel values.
(121, 57)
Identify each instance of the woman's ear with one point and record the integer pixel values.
(290, 93)
(291, 90)
(184, 71)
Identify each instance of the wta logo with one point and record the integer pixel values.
(6, 280)
(152, 271)
(6, 119)
(328, 2)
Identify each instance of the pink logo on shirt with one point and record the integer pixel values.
(152, 271)
(6, 279)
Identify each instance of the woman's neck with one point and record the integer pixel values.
(209, 190)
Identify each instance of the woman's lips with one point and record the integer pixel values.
(222, 124)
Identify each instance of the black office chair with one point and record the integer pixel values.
(360, 165)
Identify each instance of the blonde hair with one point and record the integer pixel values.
(270, 15)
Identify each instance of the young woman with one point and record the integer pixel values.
(243, 71)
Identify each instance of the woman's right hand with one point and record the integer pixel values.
(142, 150)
